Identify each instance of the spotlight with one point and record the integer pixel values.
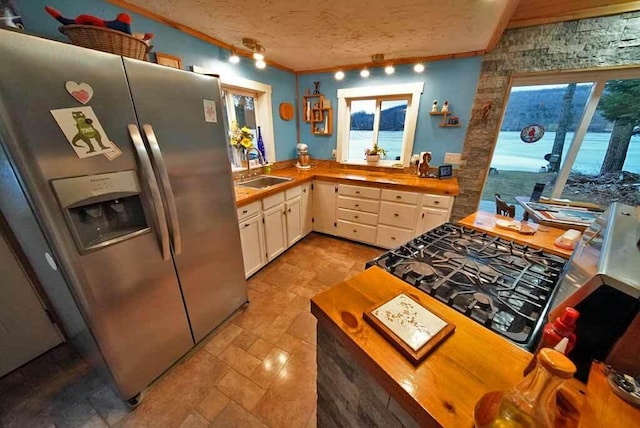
(389, 69)
(234, 58)
(261, 64)
(418, 68)
(364, 73)
(258, 56)
(339, 75)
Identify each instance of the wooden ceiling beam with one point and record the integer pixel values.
(540, 12)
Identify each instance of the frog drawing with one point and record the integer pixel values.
(86, 132)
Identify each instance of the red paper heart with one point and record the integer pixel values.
(81, 95)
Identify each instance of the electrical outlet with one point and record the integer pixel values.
(334, 153)
(453, 158)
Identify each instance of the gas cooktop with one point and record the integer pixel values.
(502, 285)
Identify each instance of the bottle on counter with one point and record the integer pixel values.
(261, 146)
(531, 403)
(563, 327)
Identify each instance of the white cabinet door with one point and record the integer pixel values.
(430, 218)
(307, 209)
(324, 207)
(25, 329)
(294, 221)
(275, 231)
(252, 240)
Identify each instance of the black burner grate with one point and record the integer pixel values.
(501, 284)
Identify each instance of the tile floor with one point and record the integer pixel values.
(258, 369)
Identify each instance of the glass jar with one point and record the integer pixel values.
(531, 403)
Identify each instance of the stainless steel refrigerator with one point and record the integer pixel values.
(115, 179)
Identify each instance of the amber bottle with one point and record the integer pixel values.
(531, 403)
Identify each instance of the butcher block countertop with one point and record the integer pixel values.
(444, 388)
(543, 238)
(397, 181)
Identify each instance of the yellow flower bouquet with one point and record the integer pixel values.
(240, 137)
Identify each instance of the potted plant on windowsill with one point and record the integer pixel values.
(373, 154)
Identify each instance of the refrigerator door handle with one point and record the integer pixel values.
(150, 178)
(166, 187)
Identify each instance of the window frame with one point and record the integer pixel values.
(262, 107)
(599, 78)
(410, 91)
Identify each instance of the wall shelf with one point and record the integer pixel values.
(445, 123)
(315, 113)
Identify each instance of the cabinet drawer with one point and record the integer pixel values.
(391, 237)
(359, 191)
(437, 201)
(400, 215)
(292, 193)
(358, 216)
(397, 196)
(357, 232)
(272, 201)
(248, 210)
(358, 204)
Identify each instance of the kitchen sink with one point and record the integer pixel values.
(264, 181)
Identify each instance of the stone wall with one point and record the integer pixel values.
(347, 395)
(584, 44)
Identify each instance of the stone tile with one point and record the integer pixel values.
(287, 342)
(244, 340)
(294, 385)
(234, 416)
(272, 333)
(222, 338)
(194, 420)
(269, 368)
(260, 349)
(304, 328)
(108, 404)
(240, 389)
(239, 359)
(169, 400)
(212, 404)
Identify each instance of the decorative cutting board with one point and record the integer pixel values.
(413, 329)
(286, 111)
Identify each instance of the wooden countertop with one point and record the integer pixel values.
(606, 409)
(444, 388)
(397, 181)
(543, 238)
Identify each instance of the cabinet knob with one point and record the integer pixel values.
(246, 225)
(436, 202)
(396, 215)
(355, 216)
(422, 215)
(393, 238)
(357, 192)
(245, 211)
(355, 231)
(398, 197)
(357, 205)
(289, 209)
(304, 190)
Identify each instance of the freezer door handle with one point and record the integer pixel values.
(158, 159)
(150, 178)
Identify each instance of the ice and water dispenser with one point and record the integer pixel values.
(102, 209)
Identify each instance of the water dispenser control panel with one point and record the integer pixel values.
(102, 209)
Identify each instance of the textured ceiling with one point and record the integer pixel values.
(305, 35)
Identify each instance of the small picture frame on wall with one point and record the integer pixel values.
(169, 60)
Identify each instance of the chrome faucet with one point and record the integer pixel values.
(260, 158)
